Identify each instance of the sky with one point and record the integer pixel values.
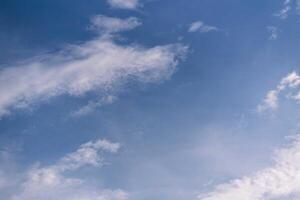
(149, 100)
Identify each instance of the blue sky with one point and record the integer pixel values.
(149, 99)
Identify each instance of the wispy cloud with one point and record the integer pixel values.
(201, 27)
(270, 102)
(99, 64)
(93, 105)
(279, 181)
(273, 31)
(288, 7)
(110, 25)
(57, 182)
(124, 4)
(283, 13)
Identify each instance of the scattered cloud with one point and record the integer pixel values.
(87, 154)
(93, 105)
(279, 181)
(58, 182)
(273, 31)
(112, 25)
(283, 13)
(201, 27)
(288, 7)
(270, 102)
(124, 4)
(99, 64)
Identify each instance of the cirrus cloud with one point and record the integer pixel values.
(99, 64)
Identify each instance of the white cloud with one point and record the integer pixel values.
(288, 7)
(280, 181)
(93, 105)
(57, 182)
(124, 4)
(273, 32)
(100, 64)
(270, 101)
(283, 13)
(112, 25)
(87, 154)
(201, 27)
(291, 81)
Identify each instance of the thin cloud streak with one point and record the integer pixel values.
(91, 106)
(201, 27)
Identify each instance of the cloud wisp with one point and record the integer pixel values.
(283, 13)
(279, 181)
(109, 25)
(289, 7)
(58, 182)
(124, 4)
(199, 26)
(270, 102)
(93, 105)
(273, 31)
(99, 64)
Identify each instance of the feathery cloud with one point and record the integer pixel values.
(289, 7)
(201, 27)
(93, 105)
(99, 64)
(283, 13)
